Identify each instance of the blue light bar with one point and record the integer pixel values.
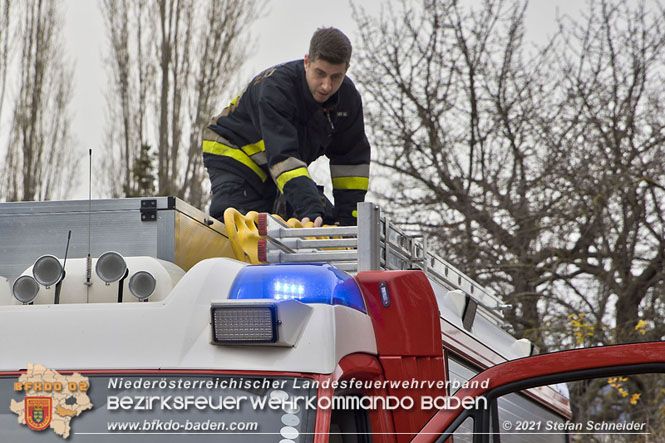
(307, 283)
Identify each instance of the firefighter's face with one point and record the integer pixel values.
(323, 78)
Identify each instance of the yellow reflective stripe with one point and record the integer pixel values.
(289, 175)
(254, 148)
(219, 149)
(360, 183)
(230, 108)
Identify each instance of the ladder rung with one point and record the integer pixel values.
(313, 232)
(304, 257)
(299, 243)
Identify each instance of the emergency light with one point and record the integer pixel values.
(307, 283)
(258, 322)
(244, 324)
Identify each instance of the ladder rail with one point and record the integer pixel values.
(375, 244)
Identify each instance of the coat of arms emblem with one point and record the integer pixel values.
(38, 412)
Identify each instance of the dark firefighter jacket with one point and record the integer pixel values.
(275, 128)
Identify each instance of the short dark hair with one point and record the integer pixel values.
(331, 45)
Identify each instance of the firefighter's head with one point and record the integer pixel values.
(327, 62)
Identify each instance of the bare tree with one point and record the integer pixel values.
(536, 170)
(5, 40)
(38, 165)
(132, 77)
(173, 82)
(452, 96)
(217, 51)
(611, 129)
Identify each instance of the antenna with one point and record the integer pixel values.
(69, 237)
(62, 275)
(88, 272)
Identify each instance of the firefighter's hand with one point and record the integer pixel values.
(318, 221)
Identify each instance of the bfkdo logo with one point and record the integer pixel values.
(51, 399)
(38, 412)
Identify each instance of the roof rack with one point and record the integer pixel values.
(375, 244)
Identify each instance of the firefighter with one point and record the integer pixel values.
(258, 149)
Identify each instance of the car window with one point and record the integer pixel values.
(617, 408)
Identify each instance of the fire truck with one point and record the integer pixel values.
(146, 320)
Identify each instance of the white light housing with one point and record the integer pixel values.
(47, 270)
(25, 289)
(111, 267)
(142, 285)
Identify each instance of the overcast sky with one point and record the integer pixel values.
(281, 34)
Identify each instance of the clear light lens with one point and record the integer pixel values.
(47, 270)
(307, 283)
(244, 324)
(25, 289)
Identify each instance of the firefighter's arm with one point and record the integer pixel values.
(280, 136)
(349, 166)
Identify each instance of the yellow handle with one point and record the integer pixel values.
(293, 222)
(243, 234)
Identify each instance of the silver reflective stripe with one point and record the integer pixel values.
(286, 165)
(349, 170)
(209, 134)
(259, 158)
